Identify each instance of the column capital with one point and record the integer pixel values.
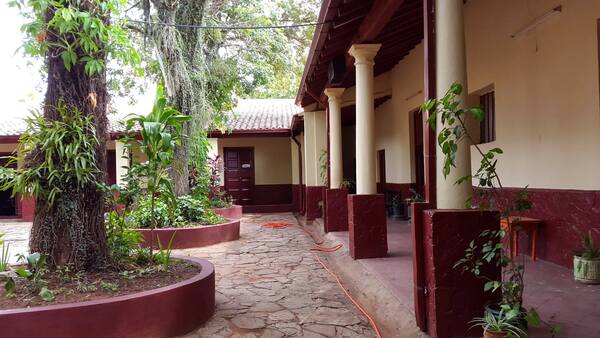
(364, 53)
(334, 93)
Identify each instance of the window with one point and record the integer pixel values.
(488, 125)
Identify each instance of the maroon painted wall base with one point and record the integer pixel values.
(27, 209)
(233, 212)
(336, 210)
(314, 195)
(165, 312)
(367, 226)
(454, 298)
(296, 198)
(195, 237)
(561, 211)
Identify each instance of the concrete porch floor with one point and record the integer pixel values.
(549, 288)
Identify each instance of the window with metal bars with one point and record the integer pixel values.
(488, 124)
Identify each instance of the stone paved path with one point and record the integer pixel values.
(270, 285)
(17, 234)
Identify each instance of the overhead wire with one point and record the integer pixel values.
(234, 27)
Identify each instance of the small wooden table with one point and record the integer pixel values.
(513, 225)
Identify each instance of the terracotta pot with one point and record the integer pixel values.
(494, 334)
(586, 270)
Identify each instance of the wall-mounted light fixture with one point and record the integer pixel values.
(538, 21)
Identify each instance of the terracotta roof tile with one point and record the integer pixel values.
(263, 114)
(249, 114)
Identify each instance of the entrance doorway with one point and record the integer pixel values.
(239, 174)
(8, 205)
(418, 152)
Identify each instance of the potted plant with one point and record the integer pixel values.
(586, 262)
(498, 326)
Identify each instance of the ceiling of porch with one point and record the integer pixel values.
(396, 24)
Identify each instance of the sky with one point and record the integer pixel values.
(21, 85)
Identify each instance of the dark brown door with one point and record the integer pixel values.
(8, 206)
(111, 167)
(239, 174)
(418, 151)
(381, 164)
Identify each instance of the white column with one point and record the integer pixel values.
(121, 162)
(336, 166)
(451, 67)
(366, 180)
(314, 143)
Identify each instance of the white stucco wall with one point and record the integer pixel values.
(546, 88)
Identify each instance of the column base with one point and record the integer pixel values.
(454, 297)
(314, 200)
(367, 226)
(336, 210)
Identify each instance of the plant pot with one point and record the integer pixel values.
(494, 334)
(586, 270)
(520, 322)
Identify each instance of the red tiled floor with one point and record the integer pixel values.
(549, 288)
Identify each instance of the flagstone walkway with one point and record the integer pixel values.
(270, 285)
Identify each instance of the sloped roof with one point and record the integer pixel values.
(249, 115)
(263, 114)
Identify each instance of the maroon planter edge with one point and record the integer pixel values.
(164, 312)
(233, 212)
(194, 237)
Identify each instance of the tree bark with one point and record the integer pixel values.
(71, 230)
(178, 49)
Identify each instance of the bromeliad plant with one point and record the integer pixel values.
(160, 132)
(454, 131)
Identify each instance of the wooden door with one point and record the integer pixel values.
(239, 174)
(8, 205)
(111, 167)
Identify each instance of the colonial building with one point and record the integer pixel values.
(532, 65)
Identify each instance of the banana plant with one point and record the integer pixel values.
(160, 132)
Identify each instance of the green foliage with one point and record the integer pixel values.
(323, 167)
(502, 323)
(33, 274)
(62, 156)
(85, 33)
(163, 256)
(109, 286)
(588, 250)
(122, 241)
(161, 132)
(190, 209)
(4, 253)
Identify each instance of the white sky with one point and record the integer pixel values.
(18, 80)
(21, 86)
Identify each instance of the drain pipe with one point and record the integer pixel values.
(299, 171)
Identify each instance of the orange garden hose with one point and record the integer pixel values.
(319, 248)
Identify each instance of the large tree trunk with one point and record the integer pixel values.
(71, 230)
(178, 49)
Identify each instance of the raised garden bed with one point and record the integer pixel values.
(232, 212)
(192, 237)
(167, 311)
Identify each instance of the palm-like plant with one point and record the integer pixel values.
(160, 132)
(501, 324)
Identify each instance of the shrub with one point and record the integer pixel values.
(141, 217)
(190, 209)
(122, 241)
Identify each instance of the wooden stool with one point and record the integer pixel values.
(513, 225)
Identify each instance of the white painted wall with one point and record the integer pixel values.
(546, 88)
